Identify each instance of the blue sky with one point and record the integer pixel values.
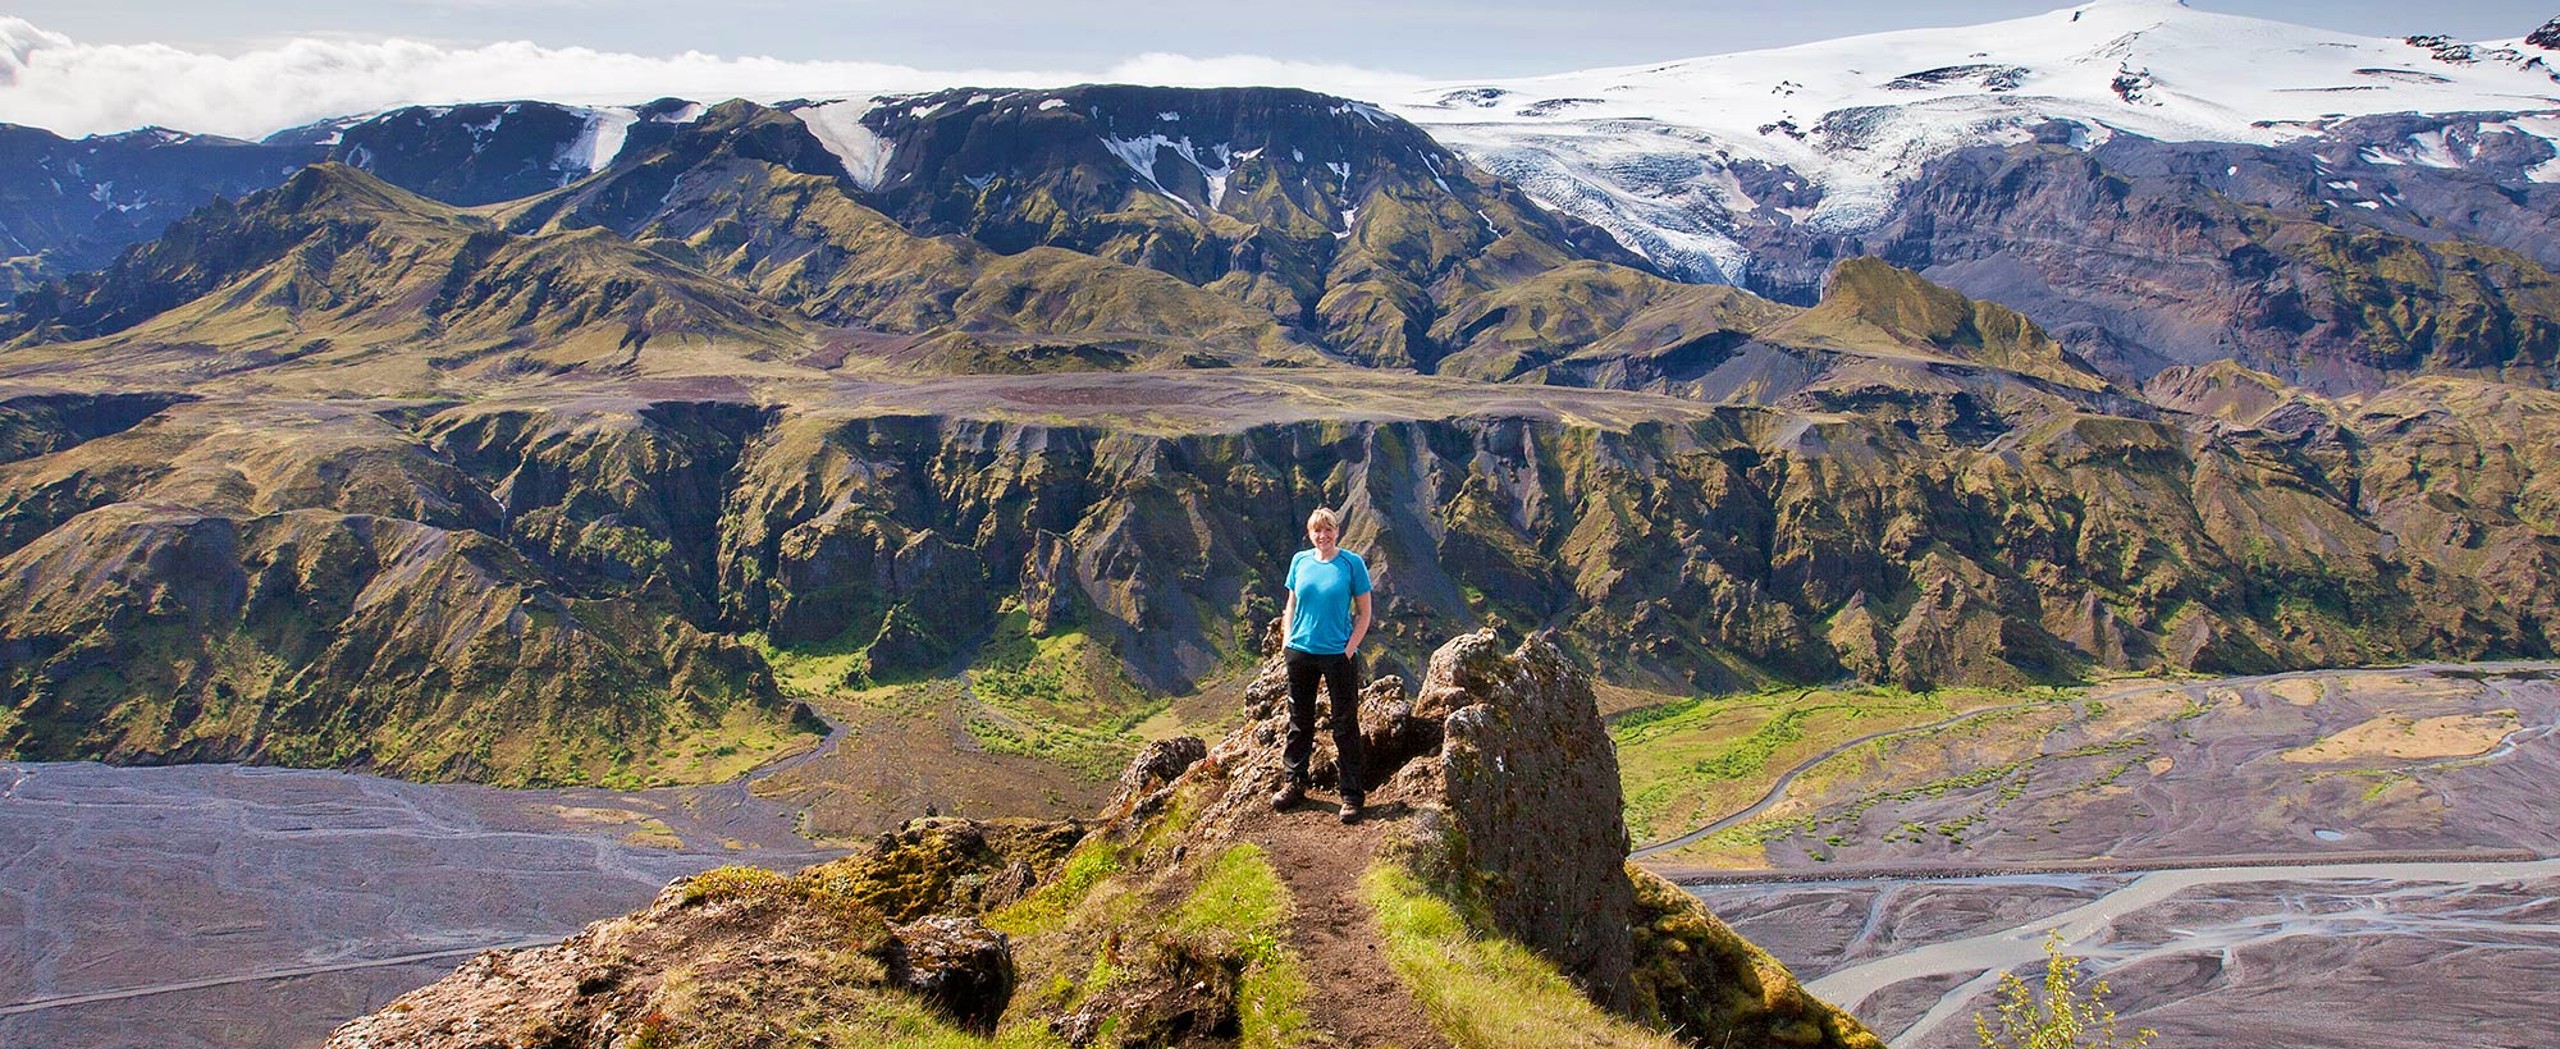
(1430, 38)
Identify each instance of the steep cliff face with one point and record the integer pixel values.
(1709, 552)
(469, 155)
(1484, 902)
(311, 585)
(580, 550)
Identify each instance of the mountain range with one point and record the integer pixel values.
(2121, 337)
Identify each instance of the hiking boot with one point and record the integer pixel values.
(1351, 808)
(1290, 793)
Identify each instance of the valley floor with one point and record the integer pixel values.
(2311, 955)
(2210, 862)
(211, 906)
(215, 906)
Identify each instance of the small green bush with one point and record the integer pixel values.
(2070, 1012)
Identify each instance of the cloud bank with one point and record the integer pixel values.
(50, 81)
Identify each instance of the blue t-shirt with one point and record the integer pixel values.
(1324, 589)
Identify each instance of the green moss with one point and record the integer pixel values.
(816, 669)
(1054, 902)
(826, 892)
(894, 1020)
(1484, 992)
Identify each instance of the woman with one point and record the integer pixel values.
(1327, 615)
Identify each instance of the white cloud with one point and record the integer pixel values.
(49, 80)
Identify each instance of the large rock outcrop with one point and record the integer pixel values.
(1528, 779)
(1507, 787)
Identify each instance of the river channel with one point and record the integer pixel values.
(222, 906)
(2358, 954)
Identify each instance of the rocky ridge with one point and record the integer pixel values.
(1192, 914)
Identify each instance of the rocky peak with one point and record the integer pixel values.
(1868, 301)
(73, 204)
(2547, 37)
(1332, 214)
(725, 144)
(1186, 144)
(1528, 780)
(469, 154)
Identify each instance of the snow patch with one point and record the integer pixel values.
(1374, 115)
(684, 114)
(2544, 126)
(1055, 103)
(2431, 150)
(1217, 176)
(599, 141)
(1141, 154)
(838, 127)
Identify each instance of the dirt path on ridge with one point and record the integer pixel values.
(1353, 990)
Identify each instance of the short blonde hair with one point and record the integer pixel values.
(1324, 515)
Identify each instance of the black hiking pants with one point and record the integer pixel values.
(1341, 676)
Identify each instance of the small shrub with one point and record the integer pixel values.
(2070, 1011)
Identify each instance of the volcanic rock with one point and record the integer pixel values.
(956, 963)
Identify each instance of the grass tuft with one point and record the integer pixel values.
(1052, 904)
(1485, 992)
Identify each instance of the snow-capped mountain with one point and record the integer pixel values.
(2153, 184)
(1672, 157)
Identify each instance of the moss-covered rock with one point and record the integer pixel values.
(1691, 972)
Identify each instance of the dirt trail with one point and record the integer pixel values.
(1354, 992)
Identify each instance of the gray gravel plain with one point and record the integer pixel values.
(208, 906)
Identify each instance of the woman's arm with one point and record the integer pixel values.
(1289, 616)
(1359, 621)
